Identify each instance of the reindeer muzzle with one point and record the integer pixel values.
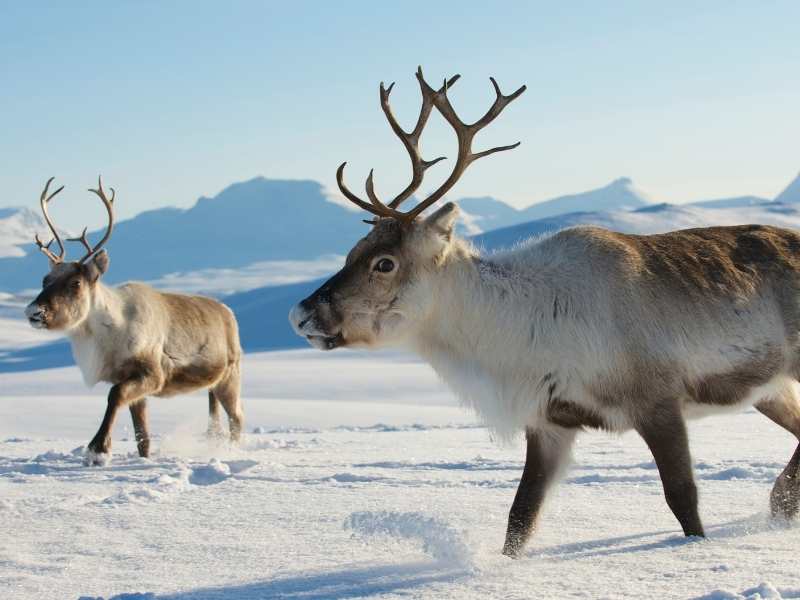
(37, 316)
(305, 324)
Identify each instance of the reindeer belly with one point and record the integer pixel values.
(190, 377)
(728, 398)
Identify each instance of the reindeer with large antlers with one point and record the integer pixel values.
(142, 341)
(587, 328)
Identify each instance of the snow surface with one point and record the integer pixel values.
(361, 477)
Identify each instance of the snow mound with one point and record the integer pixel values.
(252, 444)
(212, 473)
(439, 540)
(133, 596)
(479, 463)
(160, 488)
(353, 478)
(765, 591)
(384, 428)
(273, 430)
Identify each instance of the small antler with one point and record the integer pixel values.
(464, 132)
(109, 204)
(44, 200)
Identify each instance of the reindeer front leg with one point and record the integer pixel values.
(665, 434)
(122, 394)
(548, 451)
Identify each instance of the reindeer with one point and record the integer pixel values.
(586, 328)
(143, 342)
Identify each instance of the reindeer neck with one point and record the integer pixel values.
(493, 315)
(105, 314)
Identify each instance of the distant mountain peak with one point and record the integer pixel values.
(621, 182)
(791, 194)
(17, 228)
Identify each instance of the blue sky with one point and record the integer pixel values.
(174, 100)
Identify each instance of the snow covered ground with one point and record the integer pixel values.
(361, 477)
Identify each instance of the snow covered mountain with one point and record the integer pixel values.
(249, 222)
(791, 195)
(657, 218)
(261, 220)
(735, 202)
(484, 214)
(17, 228)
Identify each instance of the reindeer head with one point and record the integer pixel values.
(382, 292)
(67, 290)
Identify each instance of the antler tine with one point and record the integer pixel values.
(352, 197)
(109, 204)
(44, 200)
(411, 140)
(465, 134)
(387, 211)
(83, 240)
(45, 248)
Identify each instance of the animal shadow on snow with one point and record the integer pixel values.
(757, 523)
(344, 583)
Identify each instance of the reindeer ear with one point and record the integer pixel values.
(97, 266)
(444, 220)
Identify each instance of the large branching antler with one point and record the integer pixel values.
(44, 200)
(109, 204)
(464, 132)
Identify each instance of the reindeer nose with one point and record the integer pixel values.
(299, 317)
(35, 314)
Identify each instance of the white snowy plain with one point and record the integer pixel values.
(360, 476)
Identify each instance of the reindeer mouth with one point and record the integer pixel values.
(37, 322)
(326, 342)
(37, 317)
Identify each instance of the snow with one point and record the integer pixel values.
(359, 476)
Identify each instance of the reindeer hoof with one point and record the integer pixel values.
(785, 504)
(96, 459)
(511, 550)
(215, 434)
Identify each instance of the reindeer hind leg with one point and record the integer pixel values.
(784, 409)
(214, 430)
(227, 392)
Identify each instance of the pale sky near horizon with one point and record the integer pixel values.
(174, 100)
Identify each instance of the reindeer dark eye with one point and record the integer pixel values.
(384, 265)
(76, 284)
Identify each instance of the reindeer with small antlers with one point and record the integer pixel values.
(142, 341)
(587, 328)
